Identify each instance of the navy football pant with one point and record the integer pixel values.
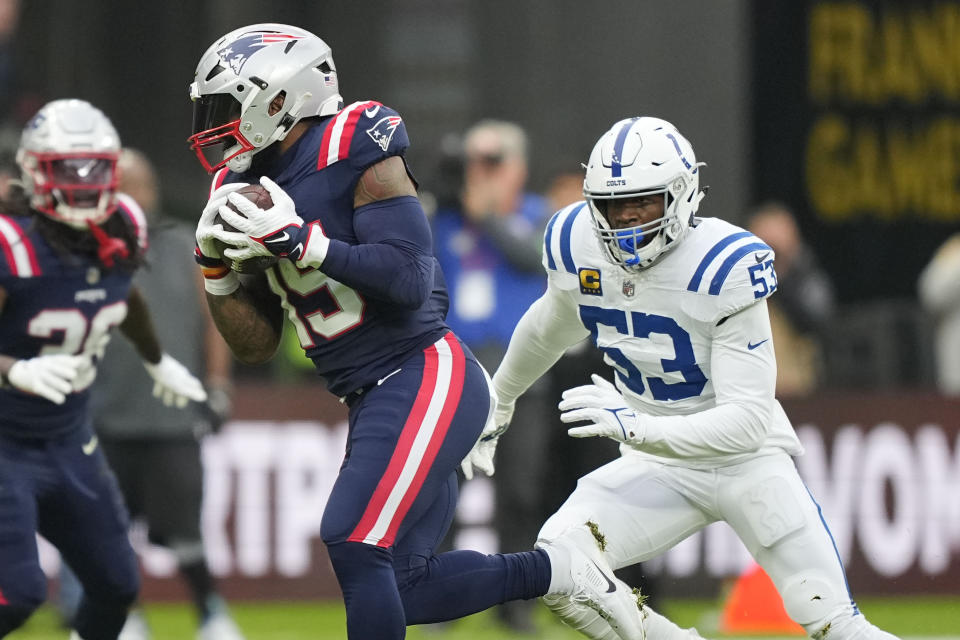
(64, 490)
(395, 498)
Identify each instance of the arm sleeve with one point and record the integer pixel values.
(138, 328)
(548, 328)
(744, 381)
(393, 260)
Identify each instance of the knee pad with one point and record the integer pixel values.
(809, 598)
(560, 522)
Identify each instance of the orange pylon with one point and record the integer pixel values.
(754, 606)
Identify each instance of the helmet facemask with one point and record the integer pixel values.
(216, 124)
(638, 247)
(74, 188)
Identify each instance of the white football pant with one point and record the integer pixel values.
(643, 508)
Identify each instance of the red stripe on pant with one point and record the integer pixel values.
(405, 443)
(450, 404)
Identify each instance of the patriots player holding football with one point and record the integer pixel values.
(70, 245)
(677, 304)
(358, 281)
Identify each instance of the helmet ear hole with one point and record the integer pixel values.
(277, 103)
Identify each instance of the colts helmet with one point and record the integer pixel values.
(636, 157)
(250, 88)
(68, 162)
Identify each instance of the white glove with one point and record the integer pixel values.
(277, 231)
(206, 226)
(174, 384)
(481, 456)
(48, 376)
(604, 408)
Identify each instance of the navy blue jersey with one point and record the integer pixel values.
(352, 337)
(55, 305)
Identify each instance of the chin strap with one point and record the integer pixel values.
(108, 247)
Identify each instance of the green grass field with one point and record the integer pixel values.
(927, 618)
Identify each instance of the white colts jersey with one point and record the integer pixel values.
(657, 327)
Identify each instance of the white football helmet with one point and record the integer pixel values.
(68, 162)
(642, 156)
(250, 88)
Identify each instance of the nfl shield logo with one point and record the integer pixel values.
(628, 288)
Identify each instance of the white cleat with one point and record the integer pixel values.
(597, 588)
(219, 626)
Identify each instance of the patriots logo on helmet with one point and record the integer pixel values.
(239, 51)
(382, 132)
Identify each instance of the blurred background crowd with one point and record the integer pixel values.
(839, 115)
(844, 113)
(831, 129)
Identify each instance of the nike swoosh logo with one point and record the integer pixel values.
(610, 586)
(384, 378)
(762, 258)
(283, 238)
(371, 111)
(91, 446)
(752, 346)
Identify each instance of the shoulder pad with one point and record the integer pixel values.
(18, 258)
(366, 132)
(135, 218)
(736, 271)
(559, 241)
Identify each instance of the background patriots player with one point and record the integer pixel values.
(360, 284)
(70, 245)
(677, 304)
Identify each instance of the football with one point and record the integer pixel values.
(260, 197)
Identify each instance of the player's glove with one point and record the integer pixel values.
(218, 279)
(205, 227)
(604, 408)
(173, 383)
(50, 376)
(481, 456)
(277, 231)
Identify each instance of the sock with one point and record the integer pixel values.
(560, 579)
(458, 583)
